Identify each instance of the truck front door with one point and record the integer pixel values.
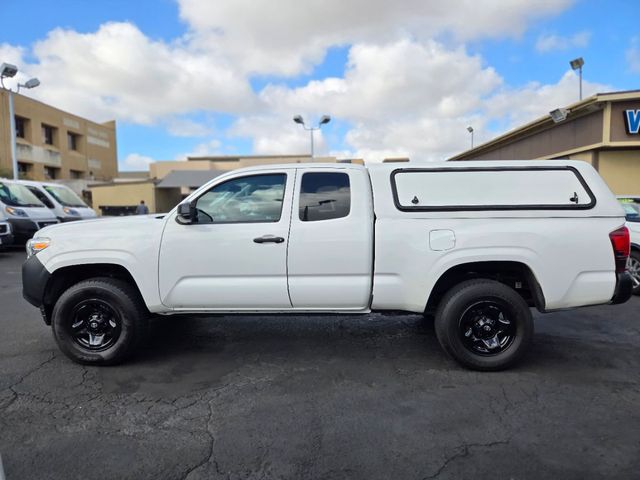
(234, 256)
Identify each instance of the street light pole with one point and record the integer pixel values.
(9, 71)
(12, 128)
(576, 64)
(323, 121)
(470, 130)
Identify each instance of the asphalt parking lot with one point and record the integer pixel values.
(319, 397)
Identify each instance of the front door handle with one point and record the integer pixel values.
(268, 239)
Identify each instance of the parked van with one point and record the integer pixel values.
(23, 210)
(63, 202)
(6, 237)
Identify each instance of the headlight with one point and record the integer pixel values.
(36, 245)
(70, 211)
(16, 212)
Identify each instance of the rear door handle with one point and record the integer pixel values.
(268, 239)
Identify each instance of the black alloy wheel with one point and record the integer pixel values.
(486, 327)
(95, 325)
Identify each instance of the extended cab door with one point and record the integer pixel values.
(331, 240)
(235, 255)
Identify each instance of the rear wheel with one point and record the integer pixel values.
(99, 321)
(634, 270)
(484, 325)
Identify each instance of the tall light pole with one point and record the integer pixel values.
(470, 130)
(323, 120)
(576, 64)
(9, 71)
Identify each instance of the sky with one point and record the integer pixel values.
(403, 78)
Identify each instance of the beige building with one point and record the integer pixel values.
(601, 130)
(170, 181)
(55, 145)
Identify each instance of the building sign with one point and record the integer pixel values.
(632, 121)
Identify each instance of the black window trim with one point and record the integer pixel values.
(284, 193)
(462, 208)
(338, 171)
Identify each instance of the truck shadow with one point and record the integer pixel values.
(187, 354)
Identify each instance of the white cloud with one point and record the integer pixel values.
(515, 106)
(403, 92)
(210, 147)
(550, 42)
(633, 55)
(296, 34)
(118, 72)
(403, 98)
(276, 134)
(135, 161)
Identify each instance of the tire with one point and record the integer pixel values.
(634, 270)
(99, 321)
(471, 313)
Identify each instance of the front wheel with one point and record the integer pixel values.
(99, 321)
(484, 325)
(634, 270)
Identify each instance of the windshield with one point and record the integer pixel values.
(41, 196)
(631, 210)
(18, 196)
(65, 196)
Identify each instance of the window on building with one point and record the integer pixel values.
(48, 134)
(51, 173)
(76, 174)
(21, 126)
(24, 170)
(73, 141)
(324, 196)
(257, 198)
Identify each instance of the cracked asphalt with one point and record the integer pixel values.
(369, 397)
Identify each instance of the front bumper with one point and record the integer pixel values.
(23, 229)
(6, 240)
(624, 288)
(34, 281)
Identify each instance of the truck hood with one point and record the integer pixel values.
(102, 225)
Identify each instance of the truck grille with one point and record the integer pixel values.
(4, 229)
(46, 224)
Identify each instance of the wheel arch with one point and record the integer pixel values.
(514, 274)
(65, 277)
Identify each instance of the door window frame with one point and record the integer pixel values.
(223, 181)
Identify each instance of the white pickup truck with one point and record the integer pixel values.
(475, 243)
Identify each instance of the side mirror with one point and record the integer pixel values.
(187, 213)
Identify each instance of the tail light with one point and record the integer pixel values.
(621, 243)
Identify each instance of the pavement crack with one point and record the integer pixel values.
(209, 457)
(22, 378)
(463, 451)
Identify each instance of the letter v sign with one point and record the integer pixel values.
(632, 121)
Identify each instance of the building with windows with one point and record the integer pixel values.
(603, 130)
(55, 145)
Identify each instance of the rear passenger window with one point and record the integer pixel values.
(324, 196)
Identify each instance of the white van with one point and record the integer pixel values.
(63, 202)
(23, 210)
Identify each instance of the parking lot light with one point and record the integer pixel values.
(323, 121)
(8, 70)
(576, 64)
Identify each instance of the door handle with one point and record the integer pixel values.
(268, 239)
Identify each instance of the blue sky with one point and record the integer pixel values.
(246, 75)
